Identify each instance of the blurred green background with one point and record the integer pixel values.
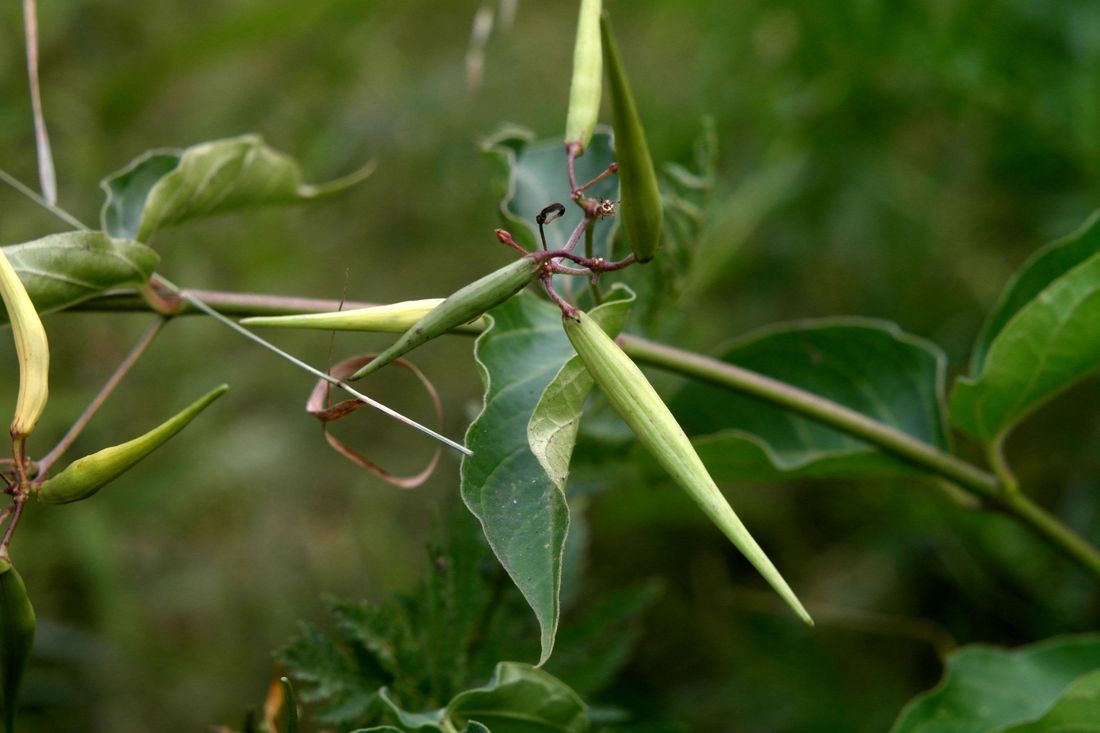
(923, 151)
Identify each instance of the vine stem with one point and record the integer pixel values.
(927, 457)
(1006, 499)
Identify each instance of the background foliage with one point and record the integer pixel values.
(886, 161)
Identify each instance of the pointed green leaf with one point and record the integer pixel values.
(522, 512)
(534, 174)
(63, 269)
(1041, 340)
(290, 706)
(552, 429)
(85, 476)
(429, 721)
(641, 198)
(344, 685)
(985, 689)
(870, 366)
(1041, 269)
(17, 623)
(587, 86)
(166, 187)
(1076, 711)
(520, 699)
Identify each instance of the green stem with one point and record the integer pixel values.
(1050, 528)
(816, 408)
(918, 453)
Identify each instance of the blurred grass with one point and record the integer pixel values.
(942, 141)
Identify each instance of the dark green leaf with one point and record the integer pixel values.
(63, 269)
(1041, 340)
(1076, 711)
(522, 512)
(870, 366)
(552, 429)
(290, 707)
(429, 721)
(17, 624)
(345, 686)
(986, 689)
(166, 187)
(534, 174)
(520, 699)
(1041, 269)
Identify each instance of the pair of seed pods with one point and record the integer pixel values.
(626, 388)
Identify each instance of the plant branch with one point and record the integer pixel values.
(817, 408)
(1046, 525)
(927, 457)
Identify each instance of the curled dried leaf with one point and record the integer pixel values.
(318, 406)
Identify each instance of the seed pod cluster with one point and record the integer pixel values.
(459, 309)
(639, 405)
(31, 348)
(85, 476)
(641, 198)
(587, 86)
(17, 624)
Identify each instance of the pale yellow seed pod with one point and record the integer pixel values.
(31, 347)
(391, 318)
(587, 86)
(639, 405)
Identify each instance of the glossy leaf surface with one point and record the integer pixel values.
(986, 689)
(166, 187)
(1041, 339)
(522, 511)
(63, 269)
(552, 429)
(870, 366)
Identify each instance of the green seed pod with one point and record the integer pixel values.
(641, 199)
(31, 348)
(460, 308)
(16, 637)
(584, 94)
(391, 318)
(632, 396)
(85, 476)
